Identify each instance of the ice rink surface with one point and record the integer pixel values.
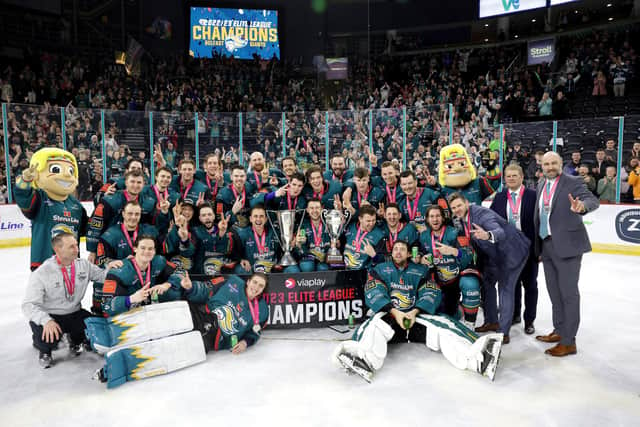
(287, 378)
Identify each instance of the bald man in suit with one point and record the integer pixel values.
(561, 240)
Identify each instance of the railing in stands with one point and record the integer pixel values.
(409, 136)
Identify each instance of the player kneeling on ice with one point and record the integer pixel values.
(140, 340)
(404, 298)
(156, 339)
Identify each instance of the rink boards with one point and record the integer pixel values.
(613, 229)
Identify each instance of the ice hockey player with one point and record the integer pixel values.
(405, 298)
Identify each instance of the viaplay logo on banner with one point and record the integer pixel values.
(291, 283)
(628, 225)
(540, 51)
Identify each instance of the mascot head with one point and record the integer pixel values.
(455, 168)
(56, 172)
(491, 160)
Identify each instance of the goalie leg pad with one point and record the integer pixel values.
(369, 342)
(458, 344)
(138, 325)
(148, 359)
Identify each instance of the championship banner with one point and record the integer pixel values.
(540, 51)
(314, 300)
(238, 33)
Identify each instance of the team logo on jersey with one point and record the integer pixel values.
(290, 283)
(226, 319)
(401, 301)
(628, 225)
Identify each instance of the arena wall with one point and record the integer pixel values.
(613, 229)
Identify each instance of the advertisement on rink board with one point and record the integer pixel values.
(314, 300)
(15, 228)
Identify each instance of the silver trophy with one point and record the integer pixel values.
(286, 224)
(335, 221)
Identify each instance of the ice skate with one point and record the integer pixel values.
(491, 358)
(355, 365)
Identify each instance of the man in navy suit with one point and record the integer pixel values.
(517, 205)
(503, 251)
(561, 240)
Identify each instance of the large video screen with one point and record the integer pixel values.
(504, 7)
(237, 33)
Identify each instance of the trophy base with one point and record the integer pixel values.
(335, 261)
(287, 260)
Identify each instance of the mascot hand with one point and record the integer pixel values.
(30, 174)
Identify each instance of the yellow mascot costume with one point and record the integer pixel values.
(456, 173)
(44, 194)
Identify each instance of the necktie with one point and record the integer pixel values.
(544, 217)
(514, 196)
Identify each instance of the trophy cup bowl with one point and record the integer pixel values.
(286, 220)
(335, 221)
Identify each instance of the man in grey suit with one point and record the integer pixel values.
(503, 253)
(561, 239)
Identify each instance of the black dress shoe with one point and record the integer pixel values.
(516, 320)
(529, 329)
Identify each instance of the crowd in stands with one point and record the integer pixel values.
(485, 86)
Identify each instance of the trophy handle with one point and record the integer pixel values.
(301, 221)
(347, 217)
(323, 215)
(274, 228)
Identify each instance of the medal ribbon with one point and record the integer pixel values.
(439, 239)
(126, 236)
(235, 194)
(320, 194)
(393, 237)
(546, 197)
(260, 242)
(139, 273)
(413, 212)
(515, 208)
(214, 190)
(257, 180)
(317, 238)
(366, 196)
(467, 226)
(357, 243)
(69, 282)
(254, 308)
(295, 201)
(129, 198)
(165, 193)
(184, 195)
(391, 196)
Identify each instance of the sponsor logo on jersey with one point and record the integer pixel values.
(628, 225)
(58, 218)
